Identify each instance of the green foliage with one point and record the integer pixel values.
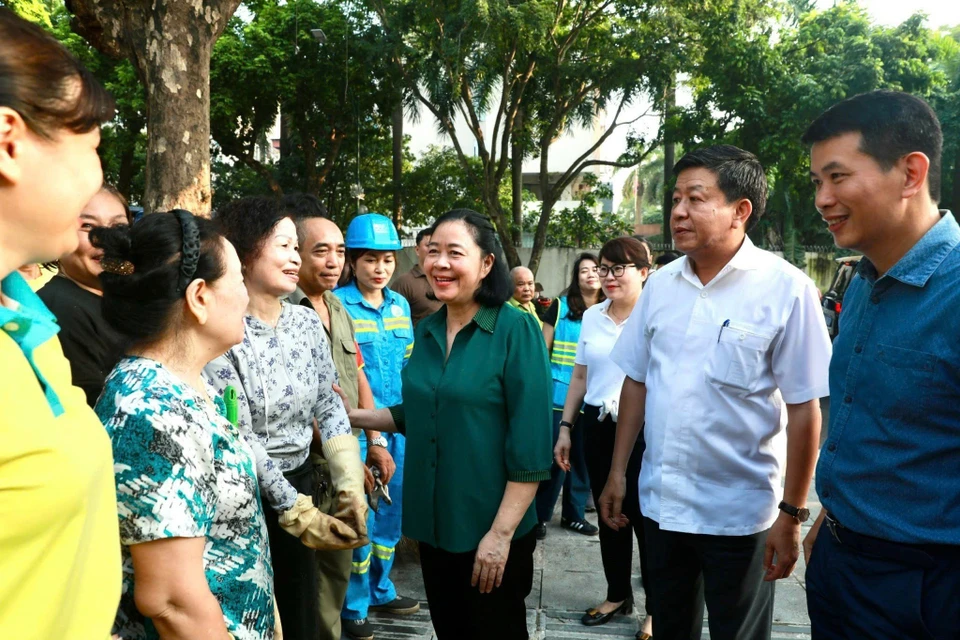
(33, 10)
(123, 141)
(435, 185)
(582, 226)
(761, 92)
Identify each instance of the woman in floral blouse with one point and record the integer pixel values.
(283, 372)
(196, 561)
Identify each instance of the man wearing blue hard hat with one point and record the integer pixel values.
(384, 331)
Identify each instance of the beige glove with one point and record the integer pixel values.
(316, 529)
(346, 471)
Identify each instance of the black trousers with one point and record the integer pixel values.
(616, 547)
(860, 587)
(461, 612)
(726, 572)
(295, 568)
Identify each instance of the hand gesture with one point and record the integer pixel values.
(561, 451)
(611, 502)
(490, 561)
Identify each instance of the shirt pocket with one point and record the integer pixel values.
(905, 377)
(738, 357)
(349, 346)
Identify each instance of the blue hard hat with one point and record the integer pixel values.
(372, 231)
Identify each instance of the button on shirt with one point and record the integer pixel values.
(719, 361)
(598, 335)
(890, 467)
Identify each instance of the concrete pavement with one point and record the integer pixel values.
(568, 579)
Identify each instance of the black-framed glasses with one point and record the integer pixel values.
(617, 269)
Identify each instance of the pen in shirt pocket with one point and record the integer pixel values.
(726, 323)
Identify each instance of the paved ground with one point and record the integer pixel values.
(568, 578)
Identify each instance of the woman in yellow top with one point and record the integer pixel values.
(59, 541)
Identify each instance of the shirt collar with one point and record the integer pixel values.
(747, 258)
(352, 295)
(417, 271)
(924, 258)
(485, 318)
(31, 323)
(299, 297)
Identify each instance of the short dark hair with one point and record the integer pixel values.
(427, 231)
(739, 175)
(497, 287)
(247, 224)
(891, 125)
(625, 250)
(144, 304)
(303, 207)
(39, 77)
(666, 257)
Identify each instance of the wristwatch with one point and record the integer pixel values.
(800, 514)
(564, 423)
(379, 441)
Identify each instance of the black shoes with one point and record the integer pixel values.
(399, 606)
(579, 526)
(541, 530)
(593, 617)
(357, 629)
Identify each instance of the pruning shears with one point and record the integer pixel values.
(380, 490)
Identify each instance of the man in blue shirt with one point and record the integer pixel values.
(884, 555)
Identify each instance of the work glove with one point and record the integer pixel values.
(316, 529)
(346, 472)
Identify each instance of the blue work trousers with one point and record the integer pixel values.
(370, 583)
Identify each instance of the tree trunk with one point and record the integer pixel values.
(397, 126)
(638, 190)
(540, 235)
(285, 148)
(516, 178)
(169, 44)
(669, 151)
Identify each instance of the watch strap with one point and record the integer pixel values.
(789, 509)
(564, 423)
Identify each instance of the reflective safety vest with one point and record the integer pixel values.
(385, 336)
(566, 334)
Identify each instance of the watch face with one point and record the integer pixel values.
(803, 515)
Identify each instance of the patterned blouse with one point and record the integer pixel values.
(284, 379)
(182, 470)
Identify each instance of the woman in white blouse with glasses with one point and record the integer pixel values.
(595, 385)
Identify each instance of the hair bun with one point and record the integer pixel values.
(115, 242)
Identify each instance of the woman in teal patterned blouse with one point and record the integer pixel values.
(196, 560)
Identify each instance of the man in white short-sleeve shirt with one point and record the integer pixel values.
(726, 357)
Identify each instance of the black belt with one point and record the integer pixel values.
(920, 555)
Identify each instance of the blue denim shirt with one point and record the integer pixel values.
(385, 336)
(890, 467)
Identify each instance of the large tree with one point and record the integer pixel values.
(331, 92)
(761, 89)
(169, 45)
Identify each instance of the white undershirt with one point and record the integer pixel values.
(598, 335)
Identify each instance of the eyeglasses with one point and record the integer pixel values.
(617, 270)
